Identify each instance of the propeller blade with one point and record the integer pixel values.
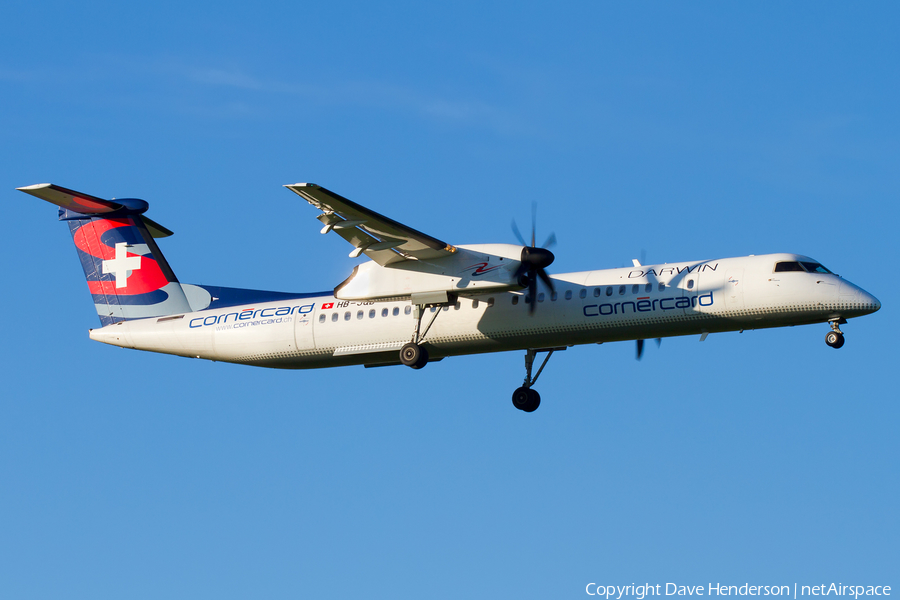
(532, 291)
(518, 234)
(551, 241)
(533, 223)
(546, 279)
(658, 342)
(640, 349)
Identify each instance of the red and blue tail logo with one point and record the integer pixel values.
(127, 276)
(126, 273)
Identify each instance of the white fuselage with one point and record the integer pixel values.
(639, 302)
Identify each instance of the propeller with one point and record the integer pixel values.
(534, 260)
(640, 347)
(640, 343)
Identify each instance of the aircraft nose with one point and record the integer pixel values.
(869, 300)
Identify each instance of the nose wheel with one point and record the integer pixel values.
(835, 337)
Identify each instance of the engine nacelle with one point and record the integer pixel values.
(472, 269)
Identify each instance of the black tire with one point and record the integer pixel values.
(410, 353)
(414, 356)
(526, 399)
(834, 339)
(423, 358)
(521, 398)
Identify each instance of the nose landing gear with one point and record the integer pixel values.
(835, 337)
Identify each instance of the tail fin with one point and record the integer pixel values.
(126, 273)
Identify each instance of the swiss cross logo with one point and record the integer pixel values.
(121, 265)
(328, 305)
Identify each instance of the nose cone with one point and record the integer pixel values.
(855, 301)
(870, 303)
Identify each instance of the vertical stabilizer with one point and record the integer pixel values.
(127, 275)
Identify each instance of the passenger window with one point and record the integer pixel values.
(582, 293)
(457, 306)
(635, 288)
(541, 297)
(360, 314)
(662, 286)
(597, 292)
(527, 299)
(554, 296)
(474, 303)
(446, 308)
(690, 284)
(648, 288)
(568, 294)
(609, 291)
(347, 316)
(515, 300)
(384, 312)
(787, 266)
(407, 310)
(322, 318)
(490, 302)
(334, 317)
(621, 290)
(396, 311)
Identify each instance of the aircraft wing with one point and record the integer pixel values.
(382, 239)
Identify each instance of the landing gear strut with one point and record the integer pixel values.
(835, 337)
(414, 354)
(525, 398)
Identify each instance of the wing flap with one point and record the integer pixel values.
(382, 239)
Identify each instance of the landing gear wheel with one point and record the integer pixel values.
(835, 339)
(414, 355)
(526, 399)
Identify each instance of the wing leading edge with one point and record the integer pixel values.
(382, 239)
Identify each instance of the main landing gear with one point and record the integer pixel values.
(835, 337)
(525, 398)
(414, 354)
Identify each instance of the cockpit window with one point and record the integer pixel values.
(815, 267)
(788, 266)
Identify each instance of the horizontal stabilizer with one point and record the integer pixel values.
(71, 200)
(86, 204)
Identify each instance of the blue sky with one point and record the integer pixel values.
(680, 131)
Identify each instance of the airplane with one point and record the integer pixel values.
(419, 299)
